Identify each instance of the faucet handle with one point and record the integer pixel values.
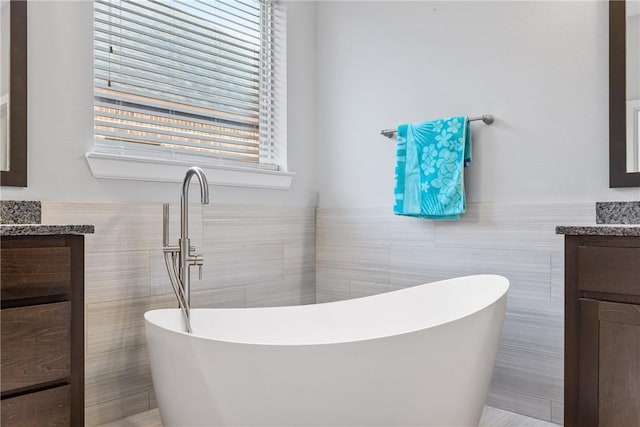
(197, 261)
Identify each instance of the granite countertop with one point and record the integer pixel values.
(600, 230)
(23, 217)
(43, 229)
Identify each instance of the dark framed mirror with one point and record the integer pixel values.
(624, 93)
(13, 108)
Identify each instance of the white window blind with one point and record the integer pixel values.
(188, 78)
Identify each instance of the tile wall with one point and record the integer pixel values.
(253, 256)
(367, 251)
(258, 256)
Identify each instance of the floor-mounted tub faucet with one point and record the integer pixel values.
(179, 259)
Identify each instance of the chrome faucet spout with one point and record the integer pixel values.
(184, 197)
(204, 186)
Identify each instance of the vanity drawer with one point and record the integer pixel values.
(49, 407)
(608, 269)
(34, 272)
(35, 345)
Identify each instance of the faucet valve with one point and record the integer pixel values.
(197, 261)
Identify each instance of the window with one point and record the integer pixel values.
(190, 82)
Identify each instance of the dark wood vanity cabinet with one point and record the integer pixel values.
(602, 331)
(42, 329)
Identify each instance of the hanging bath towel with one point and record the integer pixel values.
(430, 168)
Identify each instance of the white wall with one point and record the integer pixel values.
(60, 125)
(540, 67)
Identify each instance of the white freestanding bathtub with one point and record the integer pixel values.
(421, 356)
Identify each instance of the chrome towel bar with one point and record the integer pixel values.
(486, 118)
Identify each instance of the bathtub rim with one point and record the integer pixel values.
(501, 294)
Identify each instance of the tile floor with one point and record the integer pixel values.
(491, 417)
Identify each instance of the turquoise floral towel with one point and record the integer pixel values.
(430, 168)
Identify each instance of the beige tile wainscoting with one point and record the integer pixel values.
(257, 256)
(253, 256)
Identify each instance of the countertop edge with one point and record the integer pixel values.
(44, 229)
(600, 230)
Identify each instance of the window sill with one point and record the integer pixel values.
(119, 166)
